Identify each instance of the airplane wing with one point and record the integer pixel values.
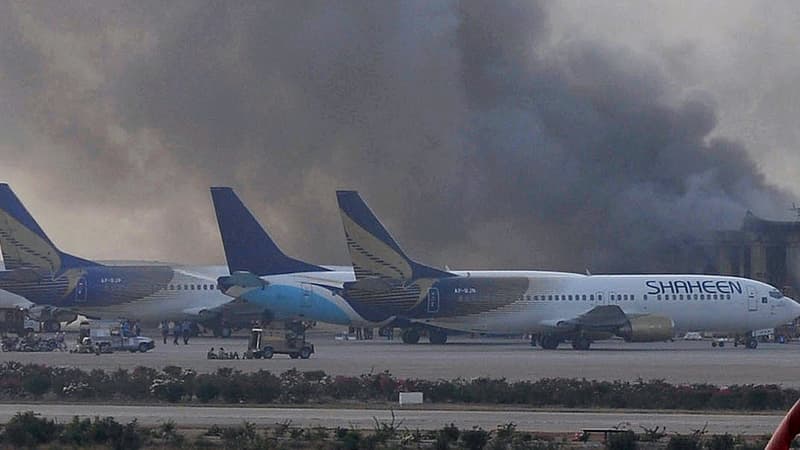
(195, 275)
(605, 318)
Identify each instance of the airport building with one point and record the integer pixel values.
(763, 250)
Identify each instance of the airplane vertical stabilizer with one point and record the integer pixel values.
(248, 247)
(24, 244)
(373, 251)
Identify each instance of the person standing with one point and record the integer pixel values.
(164, 325)
(176, 333)
(186, 329)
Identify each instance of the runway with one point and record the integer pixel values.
(424, 419)
(675, 362)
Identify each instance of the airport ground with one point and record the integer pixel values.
(423, 419)
(514, 359)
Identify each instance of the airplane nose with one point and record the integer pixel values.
(794, 308)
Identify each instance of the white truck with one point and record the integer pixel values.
(110, 336)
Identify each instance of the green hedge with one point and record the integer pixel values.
(174, 384)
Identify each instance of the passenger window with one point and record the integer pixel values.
(570, 298)
(644, 297)
(179, 287)
(674, 297)
(715, 296)
(729, 296)
(658, 297)
(600, 297)
(550, 297)
(702, 296)
(591, 297)
(695, 296)
(170, 287)
(763, 299)
(680, 297)
(584, 297)
(563, 298)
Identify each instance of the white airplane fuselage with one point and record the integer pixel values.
(692, 302)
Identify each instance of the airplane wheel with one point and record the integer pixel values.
(52, 326)
(410, 336)
(549, 342)
(713, 343)
(305, 353)
(437, 337)
(581, 343)
(752, 343)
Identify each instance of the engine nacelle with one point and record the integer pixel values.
(648, 328)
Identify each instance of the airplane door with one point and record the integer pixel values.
(306, 301)
(433, 300)
(81, 291)
(752, 301)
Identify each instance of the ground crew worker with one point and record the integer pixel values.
(186, 329)
(164, 330)
(176, 333)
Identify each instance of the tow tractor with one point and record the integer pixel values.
(289, 340)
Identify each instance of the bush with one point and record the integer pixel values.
(26, 429)
(474, 439)
(684, 442)
(721, 442)
(625, 440)
(206, 390)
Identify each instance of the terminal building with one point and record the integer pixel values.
(763, 250)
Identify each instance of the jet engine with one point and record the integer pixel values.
(648, 328)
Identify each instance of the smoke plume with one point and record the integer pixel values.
(479, 139)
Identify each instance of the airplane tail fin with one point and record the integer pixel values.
(248, 247)
(23, 242)
(373, 251)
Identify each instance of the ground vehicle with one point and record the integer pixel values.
(265, 342)
(108, 336)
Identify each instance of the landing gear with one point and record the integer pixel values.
(437, 337)
(752, 343)
(549, 341)
(52, 326)
(223, 331)
(581, 343)
(410, 336)
(533, 340)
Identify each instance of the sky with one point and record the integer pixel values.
(510, 134)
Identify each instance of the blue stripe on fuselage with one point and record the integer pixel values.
(288, 302)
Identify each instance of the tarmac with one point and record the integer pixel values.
(514, 359)
(423, 419)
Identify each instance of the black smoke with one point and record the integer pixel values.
(478, 140)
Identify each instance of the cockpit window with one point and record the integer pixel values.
(775, 294)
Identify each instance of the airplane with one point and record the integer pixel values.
(266, 282)
(554, 307)
(62, 285)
